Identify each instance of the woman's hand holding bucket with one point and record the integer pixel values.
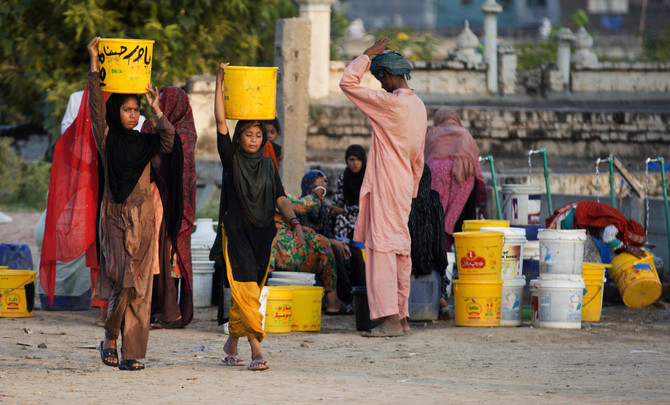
(153, 99)
(93, 51)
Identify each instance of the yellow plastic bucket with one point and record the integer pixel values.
(472, 225)
(306, 313)
(125, 65)
(479, 255)
(636, 279)
(17, 293)
(250, 92)
(278, 310)
(594, 278)
(477, 303)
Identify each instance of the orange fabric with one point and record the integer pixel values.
(395, 160)
(269, 151)
(69, 229)
(449, 139)
(388, 283)
(158, 221)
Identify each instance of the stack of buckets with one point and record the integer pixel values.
(478, 290)
(557, 295)
(512, 274)
(293, 303)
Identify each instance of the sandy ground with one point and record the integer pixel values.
(623, 359)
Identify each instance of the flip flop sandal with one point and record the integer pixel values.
(233, 360)
(105, 353)
(258, 365)
(131, 365)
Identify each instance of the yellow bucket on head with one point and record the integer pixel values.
(278, 310)
(17, 293)
(125, 65)
(636, 279)
(479, 255)
(250, 93)
(592, 302)
(306, 312)
(477, 303)
(472, 225)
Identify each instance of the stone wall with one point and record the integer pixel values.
(508, 132)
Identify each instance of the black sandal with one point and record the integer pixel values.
(131, 365)
(105, 353)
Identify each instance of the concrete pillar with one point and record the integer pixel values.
(507, 62)
(565, 38)
(292, 56)
(491, 10)
(318, 11)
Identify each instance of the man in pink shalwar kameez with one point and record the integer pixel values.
(395, 165)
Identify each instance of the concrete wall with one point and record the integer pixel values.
(628, 77)
(428, 77)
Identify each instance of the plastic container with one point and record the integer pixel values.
(250, 92)
(512, 300)
(203, 278)
(473, 225)
(477, 303)
(594, 279)
(561, 251)
(478, 255)
(512, 250)
(17, 293)
(560, 302)
(279, 310)
(306, 309)
(424, 297)
(636, 279)
(531, 230)
(16, 256)
(125, 65)
(522, 203)
(363, 321)
(361, 246)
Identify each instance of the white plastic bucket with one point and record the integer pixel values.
(522, 203)
(203, 275)
(512, 300)
(512, 250)
(531, 250)
(534, 304)
(560, 302)
(561, 251)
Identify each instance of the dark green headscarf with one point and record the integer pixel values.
(392, 62)
(254, 178)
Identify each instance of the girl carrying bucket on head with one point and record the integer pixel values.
(250, 191)
(126, 215)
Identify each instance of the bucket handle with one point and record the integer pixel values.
(594, 296)
(16, 288)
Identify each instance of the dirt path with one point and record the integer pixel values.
(623, 359)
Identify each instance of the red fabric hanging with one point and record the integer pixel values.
(69, 229)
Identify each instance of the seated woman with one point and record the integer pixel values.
(453, 158)
(601, 222)
(314, 256)
(347, 192)
(348, 258)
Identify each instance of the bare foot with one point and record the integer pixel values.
(230, 347)
(405, 325)
(392, 323)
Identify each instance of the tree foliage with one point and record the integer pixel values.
(44, 56)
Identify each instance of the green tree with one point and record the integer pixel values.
(43, 44)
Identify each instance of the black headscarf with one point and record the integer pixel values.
(128, 151)
(353, 181)
(254, 176)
